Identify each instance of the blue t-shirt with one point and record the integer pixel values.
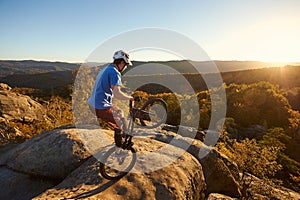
(101, 97)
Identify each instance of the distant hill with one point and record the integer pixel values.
(46, 75)
(287, 77)
(11, 67)
(58, 78)
(186, 66)
(40, 81)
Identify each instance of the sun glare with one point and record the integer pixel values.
(270, 40)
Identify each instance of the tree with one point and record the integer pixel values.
(259, 103)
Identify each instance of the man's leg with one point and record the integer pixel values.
(108, 117)
(118, 138)
(120, 119)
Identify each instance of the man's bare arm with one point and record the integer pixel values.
(119, 94)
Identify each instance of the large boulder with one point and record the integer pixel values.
(183, 179)
(40, 163)
(20, 186)
(64, 154)
(52, 154)
(18, 107)
(221, 175)
(58, 164)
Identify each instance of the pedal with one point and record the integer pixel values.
(129, 145)
(124, 145)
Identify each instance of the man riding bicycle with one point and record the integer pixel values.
(108, 85)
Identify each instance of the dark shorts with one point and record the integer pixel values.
(114, 118)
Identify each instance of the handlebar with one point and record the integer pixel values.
(135, 99)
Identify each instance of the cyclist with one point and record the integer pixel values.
(108, 85)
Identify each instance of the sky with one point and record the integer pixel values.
(70, 30)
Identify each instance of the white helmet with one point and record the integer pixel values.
(122, 55)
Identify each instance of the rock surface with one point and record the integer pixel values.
(57, 156)
(15, 185)
(216, 196)
(8, 132)
(183, 179)
(4, 86)
(58, 164)
(53, 154)
(221, 175)
(262, 190)
(17, 107)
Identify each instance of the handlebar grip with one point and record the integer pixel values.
(137, 98)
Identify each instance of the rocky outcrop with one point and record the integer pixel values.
(40, 163)
(183, 179)
(4, 86)
(8, 132)
(216, 196)
(21, 186)
(53, 154)
(259, 189)
(58, 164)
(17, 107)
(61, 155)
(186, 131)
(221, 175)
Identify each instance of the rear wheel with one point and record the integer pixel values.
(153, 113)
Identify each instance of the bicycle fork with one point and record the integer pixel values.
(127, 144)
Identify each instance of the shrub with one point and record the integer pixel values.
(259, 103)
(257, 160)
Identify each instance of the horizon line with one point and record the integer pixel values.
(213, 60)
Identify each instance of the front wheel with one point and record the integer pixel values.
(113, 167)
(153, 113)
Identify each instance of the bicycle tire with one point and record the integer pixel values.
(117, 174)
(144, 120)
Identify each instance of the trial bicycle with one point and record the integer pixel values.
(151, 114)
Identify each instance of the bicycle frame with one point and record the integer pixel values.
(135, 113)
(128, 138)
(141, 114)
